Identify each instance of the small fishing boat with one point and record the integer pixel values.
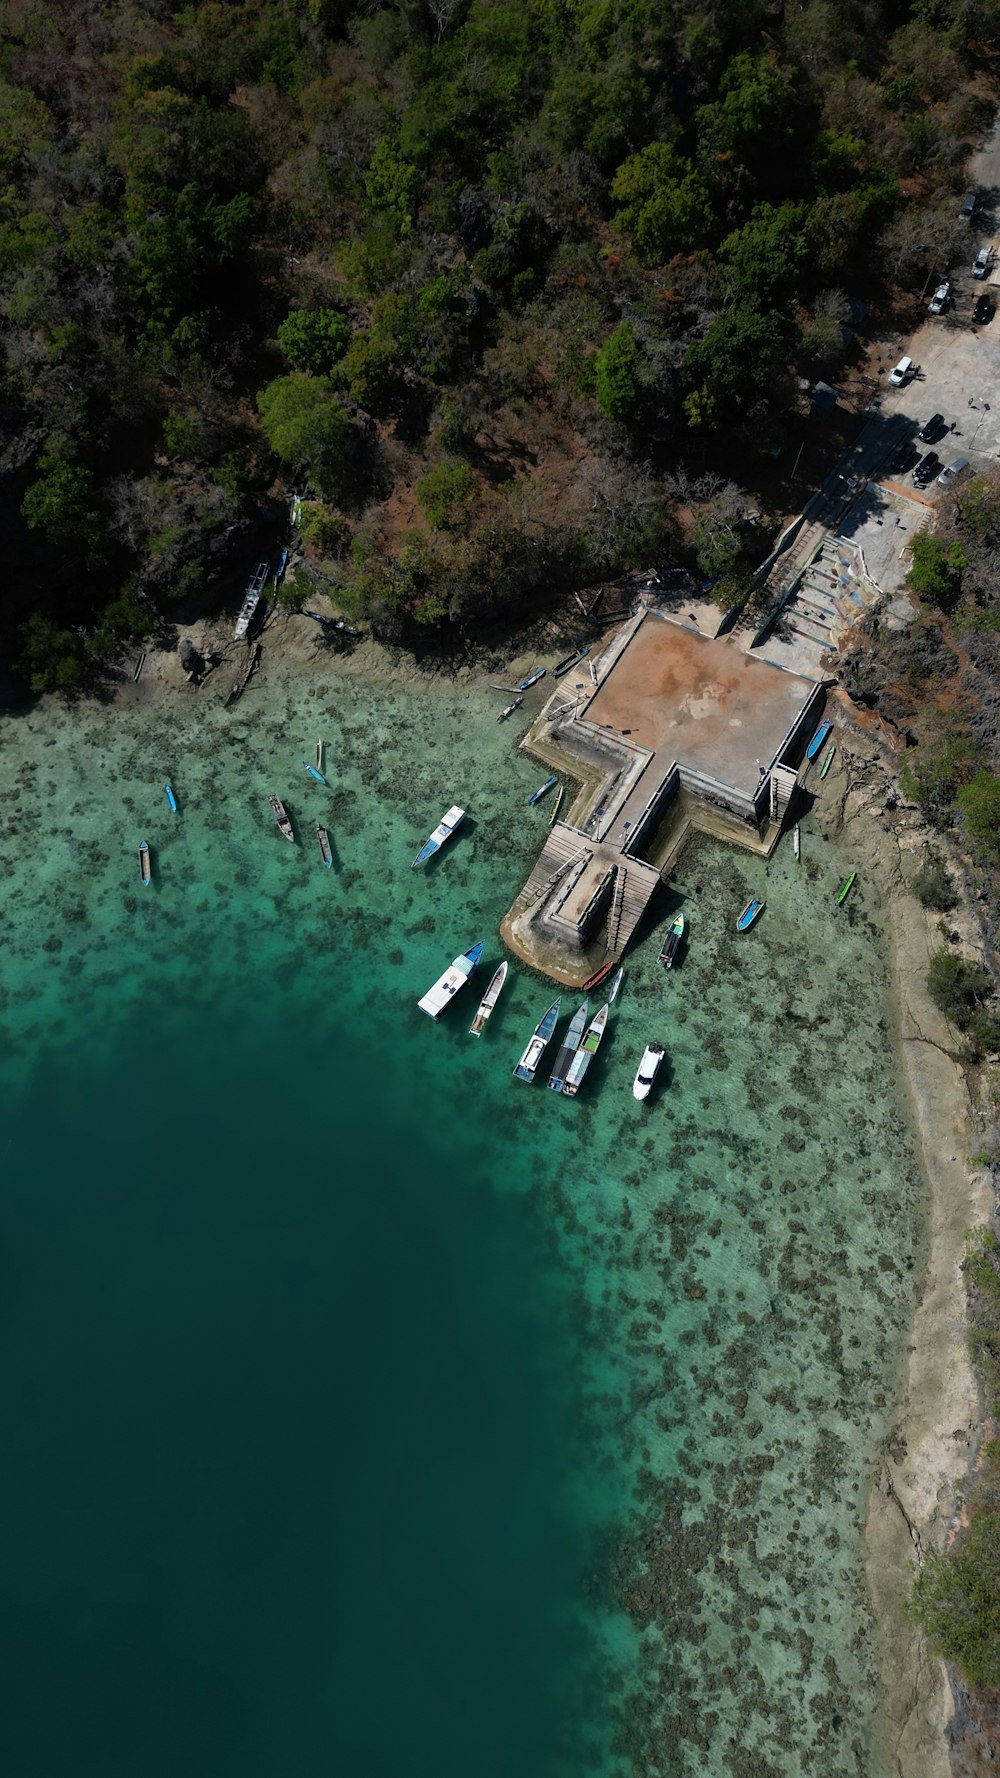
(818, 738)
(534, 1048)
(319, 756)
(600, 975)
(571, 660)
(537, 795)
(749, 914)
(845, 888)
(447, 825)
(248, 609)
(325, 847)
(171, 799)
(314, 772)
(568, 1048)
(796, 841)
(447, 985)
(557, 805)
(647, 1070)
(532, 679)
(508, 709)
(145, 864)
(279, 572)
(282, 817)
(671, 941)
(827, 762)
(616, 984)
(488, 1001)
(586, 1052)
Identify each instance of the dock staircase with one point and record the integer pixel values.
(617, 908)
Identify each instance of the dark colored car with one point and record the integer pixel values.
(926, 469)
(901, 458)
(934, 429)
(984, 311)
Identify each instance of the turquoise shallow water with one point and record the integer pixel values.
(363, 1404)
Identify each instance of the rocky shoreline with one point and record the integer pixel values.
(938, 1421)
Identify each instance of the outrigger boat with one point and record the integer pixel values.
(845, 888)
(647, 1070)
(568, 1048)
(586, 1052)
(325, 847)
(443, 831)
(145, 864)
(314, 772)
(671, 940)
(534, 1048)
(827, 763)
(537, 795)
(818, 738)
(508, 709)
(750, 913)
(616, 984)
(251, 601)
(571, 660)
(171, 799)
(532, 679)
(488, 1001)
(447, 985)
(281, 816)
(796, 841)
(557, 805)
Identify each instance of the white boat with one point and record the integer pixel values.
(647, 1070)
(588, 1048)
(488, 1001)
(615, 985)
(446, 987)
(568, 1048)
(250, 603)
(443, 831)
(319, 756)
(534, 1049)
(797, 841)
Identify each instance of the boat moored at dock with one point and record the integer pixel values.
(571, 660)
(488, 1001)
(647, 1070)
(532, 679)
(536, 1044)
(568, 1048)
(827, 762)
(751, 912)
(671, 941)
(447, 986)
(171, 799)
(818, 738)
(325, 847)
(537, 795)
(248, 609)
(145, 864)
(447, 825)
(586, 1052)
(282, 817)
(616, 985)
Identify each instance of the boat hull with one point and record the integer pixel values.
(145, 864)
(282, 817)
(647, 1071)
(449, 824)
(325, 847)
(751, 912)
(818, 738)
(586, 1053)
(542, 790)
(671, 942)
(448, 985)
(568, 1048)
(171, 799)
(535, 1047)
(488, 1002)
(314, 772)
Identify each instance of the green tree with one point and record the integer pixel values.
(391, 185)
(931, 776)
(765, 256)
(617, 373)
(936, 569)
(979, 808)
(957, 985)
(956, 1600)
(445, 493)
(731, 366)
(663, 202)
(49, 658)
(305, 424)
(62, 502)
(314, 339)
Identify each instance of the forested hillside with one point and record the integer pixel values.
(516, 292)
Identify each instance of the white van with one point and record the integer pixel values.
(902, 373)
(952, 471)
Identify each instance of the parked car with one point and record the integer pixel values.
(984, 311)
(982, 262)
(926, 469)
(950, 476)
(901, 373)
(941, 298)
(934, 429)
(901, 458)
(969, 208)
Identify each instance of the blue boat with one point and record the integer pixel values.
(447, 825)
(532, 679)
(541, 1035)
(313, 772)
(749, 915)
(280, 570)
(171, 799)
(568, 1048)
(818, 738)
(542, 788)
